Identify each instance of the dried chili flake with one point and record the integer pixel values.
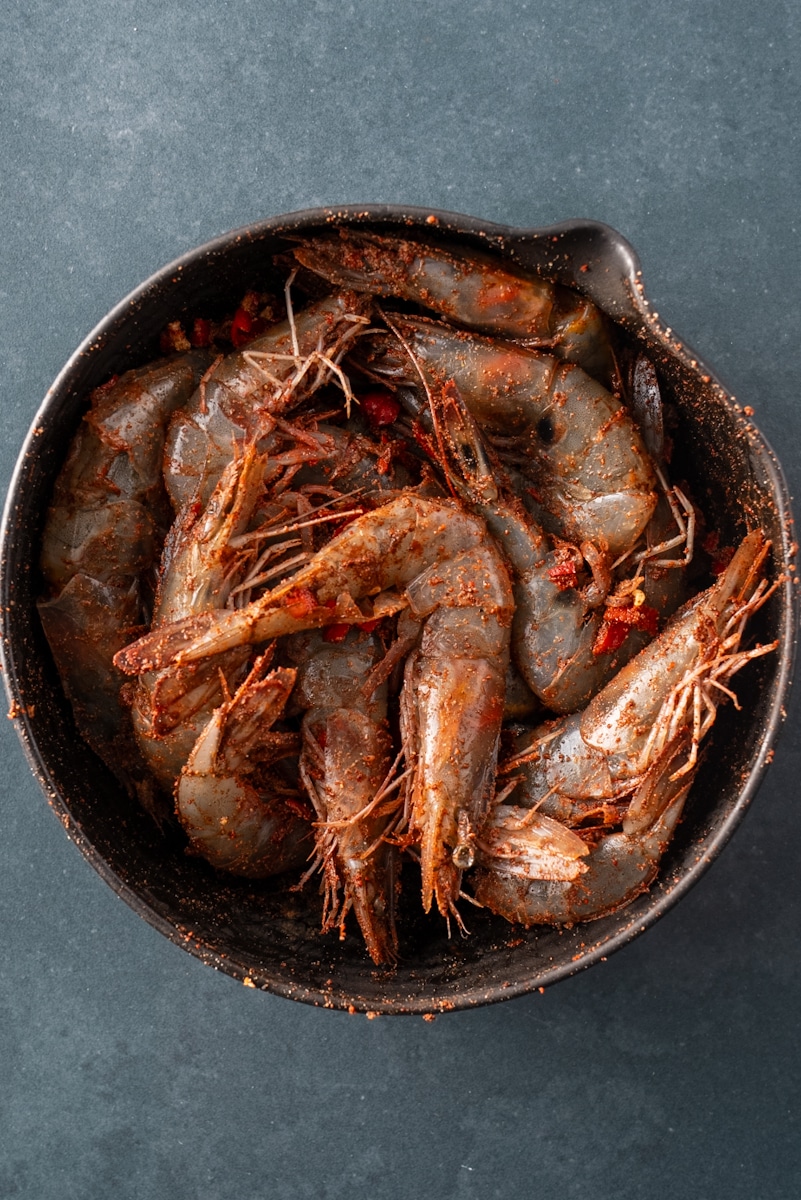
(335, 633)
(611, 637)
(380, 408)
(640, 616)
(247, 324)
(241, 327)
(564, 575)
(618, 621)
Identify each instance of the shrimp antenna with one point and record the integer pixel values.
(438, 432)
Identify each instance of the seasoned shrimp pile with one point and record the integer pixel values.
(392, 582)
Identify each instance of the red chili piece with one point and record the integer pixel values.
(247, 324)
(380, 408)
(618, 621)
(564, 575)
(241, 327)
(611, 637)
(335, 633)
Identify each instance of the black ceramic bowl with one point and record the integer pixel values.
(253, 931)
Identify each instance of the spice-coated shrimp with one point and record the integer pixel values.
(591, 475)
(476, 292)
(345, 762)
(451, 575)
(235, 811)
(634, 749)
(555, 627)
(101, 540)
(199, 566)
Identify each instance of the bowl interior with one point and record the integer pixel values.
(257, 930)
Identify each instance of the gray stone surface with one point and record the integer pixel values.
(130, 133)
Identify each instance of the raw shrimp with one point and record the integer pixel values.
(199, 566)
(390, 547)
(529, 873)
(591, 475)
(630, 757)
(658, 562)
(345, 763)
(101, 540)
(238, 399)
(452, 708)
(476, 292)
(449, 572)
(236, 813)
(555, 627)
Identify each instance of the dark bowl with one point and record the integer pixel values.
(253, 930)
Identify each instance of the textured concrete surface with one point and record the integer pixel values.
(130, 133)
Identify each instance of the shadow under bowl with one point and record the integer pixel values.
(256, 931)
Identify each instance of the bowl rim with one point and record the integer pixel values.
(633, 306)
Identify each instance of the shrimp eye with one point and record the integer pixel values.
(463, 857)
(546, 431)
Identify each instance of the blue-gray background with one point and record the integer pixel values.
(131, 132)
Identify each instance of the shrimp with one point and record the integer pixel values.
(659, 583)
(629, 757)
(530, 874)
(345, 763)
(452, 707)
(451, 576)
(199, 566)
(591, 476)
(205, 565)
(390, 547)
(101, 539)
(476, 292)
(243, 393)
(235, 813)
(555, 627)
